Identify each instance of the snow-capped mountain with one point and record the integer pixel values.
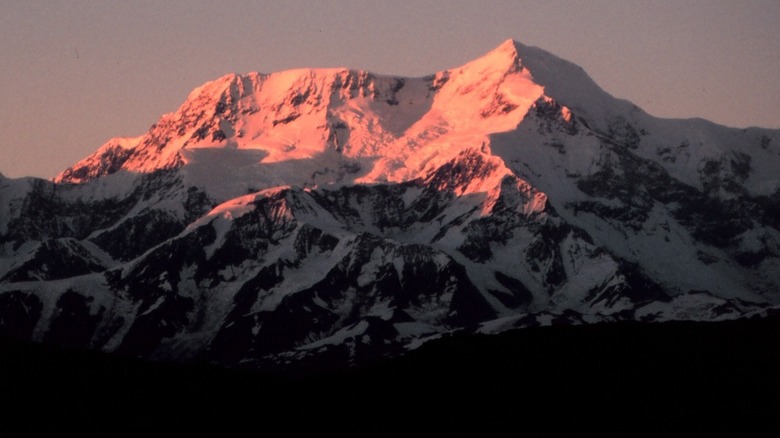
(339, 215)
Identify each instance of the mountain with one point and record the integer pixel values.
(321, 217)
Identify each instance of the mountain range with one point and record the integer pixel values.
(325, 217)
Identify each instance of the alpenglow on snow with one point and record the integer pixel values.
(278, 218)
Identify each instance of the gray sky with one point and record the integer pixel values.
(76, 73)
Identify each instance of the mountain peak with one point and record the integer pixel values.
(567, 83)
(505, 59)
(507, 50)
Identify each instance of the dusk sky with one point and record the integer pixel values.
(76, 73)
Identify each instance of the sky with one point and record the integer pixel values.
(75, 73)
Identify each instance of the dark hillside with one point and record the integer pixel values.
(620, 378)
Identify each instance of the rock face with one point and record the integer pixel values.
(335, 216)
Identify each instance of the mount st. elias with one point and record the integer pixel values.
(332, 216)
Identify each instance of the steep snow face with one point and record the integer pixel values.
(488, 95)
(569, 84)
(314, 213)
